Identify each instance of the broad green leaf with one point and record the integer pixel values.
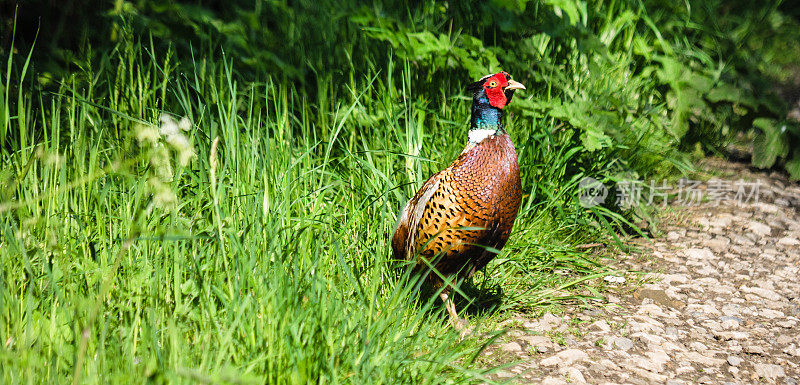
(725, 92)
(793, 166)
(671, 70)
(572, 8)
(696, 80)
(684, 102)
(770, 143)
(594, 139)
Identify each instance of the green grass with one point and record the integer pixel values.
(265, 260)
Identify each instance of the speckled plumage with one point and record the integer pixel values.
(466, 211)
(480, 189)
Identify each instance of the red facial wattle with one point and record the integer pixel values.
(497, 97)
(494, 90)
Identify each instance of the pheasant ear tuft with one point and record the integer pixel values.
(476, 86)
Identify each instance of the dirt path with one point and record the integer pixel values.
(722, 305)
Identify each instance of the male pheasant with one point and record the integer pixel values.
(463, 215)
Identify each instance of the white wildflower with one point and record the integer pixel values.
(163, 196)
(147, 134)
(168, 126)
(166, 147)
(180, 143)
(174, 136)
(185, 124)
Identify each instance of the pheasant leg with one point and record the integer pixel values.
(455, 320)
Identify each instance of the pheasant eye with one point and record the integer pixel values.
(493, 83)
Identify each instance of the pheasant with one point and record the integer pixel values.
(462, 216)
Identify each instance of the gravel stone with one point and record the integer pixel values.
(699, 254)
(734, 361)
(759, 228)
(623, 343)
(601, 326)
(511, 347)
(574, 375)
(770, 372)
(754, 349)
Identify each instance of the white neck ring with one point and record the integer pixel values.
(479, 134)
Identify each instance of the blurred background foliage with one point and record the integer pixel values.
(607, 70)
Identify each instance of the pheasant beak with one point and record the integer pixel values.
(514, 85)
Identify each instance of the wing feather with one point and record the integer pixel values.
(406, 230)
(434, 225)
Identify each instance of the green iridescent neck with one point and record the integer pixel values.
(485, 116)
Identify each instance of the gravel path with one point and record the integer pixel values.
(722, 304)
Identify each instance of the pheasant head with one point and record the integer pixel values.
(490, 95)
(495, 90)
